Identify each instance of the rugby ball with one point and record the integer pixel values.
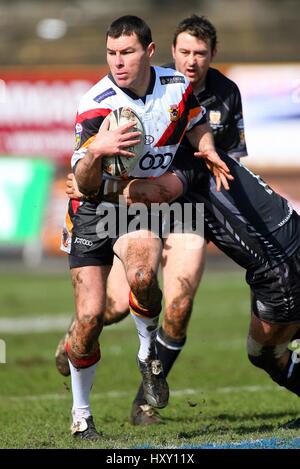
(120, 166)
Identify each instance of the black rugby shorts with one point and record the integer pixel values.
(275, 294)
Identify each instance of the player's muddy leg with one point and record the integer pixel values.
(82, 347)
(140, 253)
(183, 264)
(61, 357)
(269, 348)
(117, 294)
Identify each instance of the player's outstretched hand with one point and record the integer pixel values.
(217, 167)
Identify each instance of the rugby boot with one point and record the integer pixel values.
(144, 414)
(155, 386)
(84, 429)
(61, 357)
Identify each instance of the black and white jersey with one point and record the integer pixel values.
(222, 100)
(251, 223)
(168, 110)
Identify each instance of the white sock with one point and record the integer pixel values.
(146, 336)
(82, 382)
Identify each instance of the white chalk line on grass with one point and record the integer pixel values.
(45, 323)
(60, 323)
(174, 393)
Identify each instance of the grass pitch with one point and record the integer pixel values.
(217, 397)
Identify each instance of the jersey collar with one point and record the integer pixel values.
(130, 93)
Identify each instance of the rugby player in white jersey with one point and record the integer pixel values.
(194, 47)
(153, 93)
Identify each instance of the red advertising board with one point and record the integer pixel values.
(38, 108)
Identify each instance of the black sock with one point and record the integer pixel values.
(168, 350)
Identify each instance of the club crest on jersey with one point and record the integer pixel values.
(148, 139)
(174, 112)
(78, 130)
(214, 117)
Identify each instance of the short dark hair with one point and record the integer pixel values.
(128, 25)
(197, 26)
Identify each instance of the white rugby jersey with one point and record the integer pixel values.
(167, 111)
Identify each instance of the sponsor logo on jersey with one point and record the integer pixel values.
(105, 94)
(214, 117)
(208, 101)
(83, 241)
(155, 161)
(171, 80)
(174, 112)
(78, 131)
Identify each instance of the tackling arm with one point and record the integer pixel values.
(165, 188)
(201, 138)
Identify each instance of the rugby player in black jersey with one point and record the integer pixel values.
(260, 231)
(194, 47)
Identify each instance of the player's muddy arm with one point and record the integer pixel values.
(165, 188)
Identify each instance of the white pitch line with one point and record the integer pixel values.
(175, 392)
(35, 324)
(45, 323)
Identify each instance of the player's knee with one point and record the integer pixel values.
(255, 352)
(142, 278)
(269, 358)
(268, 363)
(90, 323)
(177, 316)
(144, 285)
(82, 347)
(83, 340)
(261, 356)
